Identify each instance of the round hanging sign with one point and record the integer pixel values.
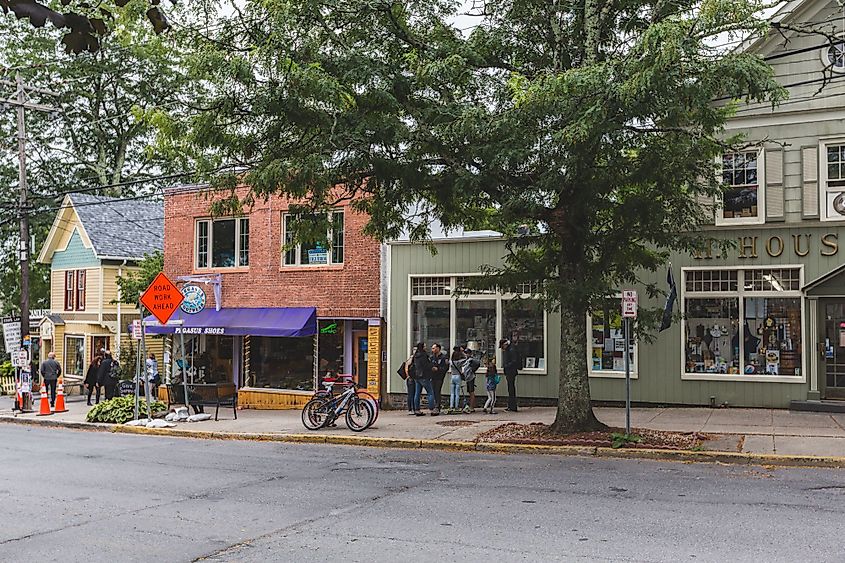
(194, 299)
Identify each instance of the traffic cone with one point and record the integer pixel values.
(60, 397)
(44, 407)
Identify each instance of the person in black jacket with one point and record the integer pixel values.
(104, 375)
(422, 375)
(91, 378)
(439, 368)
(511, 364)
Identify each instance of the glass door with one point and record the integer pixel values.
(834, 350)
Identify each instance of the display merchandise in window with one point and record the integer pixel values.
(330, 357)
(430, 323)
(772, 341)
(712, 335)
(608, 338)
(75, 355)
(476, 326)
(524, 325)
(279, 363)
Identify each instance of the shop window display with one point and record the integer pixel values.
(608, 339)
(280, 363)
(523, 323)
(712, 337)
(330, 348)
(772, 343)
(430, 322)
(74, 355)
(476, 326)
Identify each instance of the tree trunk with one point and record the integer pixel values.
(574, 408)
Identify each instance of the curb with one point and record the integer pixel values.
(684, 456)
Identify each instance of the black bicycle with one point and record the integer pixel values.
(323, 410)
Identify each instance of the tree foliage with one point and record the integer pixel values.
(135, 282)
(584, 130)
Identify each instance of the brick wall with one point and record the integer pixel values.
(347, 290)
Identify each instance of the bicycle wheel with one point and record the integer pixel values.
(316, 413)
(372, 400)
(360, 415)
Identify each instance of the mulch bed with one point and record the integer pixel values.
(540, 434)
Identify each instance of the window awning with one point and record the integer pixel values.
(240, 321)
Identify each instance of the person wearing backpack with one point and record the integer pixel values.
(407, 372)
(107, 375)
(423, 372)
(456, 363)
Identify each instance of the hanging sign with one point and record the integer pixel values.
(194, 299)
(629, 304)
(162, 298)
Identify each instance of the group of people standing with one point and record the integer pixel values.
(427, 372)
(103, 375)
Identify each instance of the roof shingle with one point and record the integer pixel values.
(121, 228)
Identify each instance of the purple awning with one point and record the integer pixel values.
(241, 321)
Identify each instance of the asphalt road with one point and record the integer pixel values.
(88, 496)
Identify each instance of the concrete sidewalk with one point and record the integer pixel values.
(753, 431)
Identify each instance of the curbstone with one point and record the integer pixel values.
(686, 456)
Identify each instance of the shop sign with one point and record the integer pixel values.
(46, 330)
(774, 246)
(194, 299)
(318, 256)
(330, 328)
(162, 298)
(374, 359)
(12, 333)
(200, 330)
(20, 358)
(629, 304)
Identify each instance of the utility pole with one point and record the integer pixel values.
(21, 103)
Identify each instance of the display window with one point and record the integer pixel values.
(279, 363)
(75, 355)
(477, 319)
(743, 324)
(607, 342)
(330, 344)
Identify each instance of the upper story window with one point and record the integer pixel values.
(80, 290)
(315, 253)
(70, 290)
(222, 243)
(836, 57)
(833, 182)
(743, 195)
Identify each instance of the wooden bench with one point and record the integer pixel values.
(204, 395)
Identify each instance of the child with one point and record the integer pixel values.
(456, 366)
(492, 382)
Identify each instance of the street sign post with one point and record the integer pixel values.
(20, 358)
(629, 311)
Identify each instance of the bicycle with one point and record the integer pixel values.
(323, 410)
(343, 380)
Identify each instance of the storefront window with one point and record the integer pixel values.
(772, 336)
(75, 355)
(476, 326)
(712, 341)
(607, 352)
(215, 364)
(523, 324)
(280, 363)
(751, 327)
(430, 323)
(330, 348)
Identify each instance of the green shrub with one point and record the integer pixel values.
(6, 369)
(121, 409)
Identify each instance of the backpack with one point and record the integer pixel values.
(469, 368)
(114, 370)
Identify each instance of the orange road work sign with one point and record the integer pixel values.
(162, 298)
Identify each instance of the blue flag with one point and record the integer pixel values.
(670, 301)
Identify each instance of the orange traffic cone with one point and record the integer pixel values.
(60, 398)
(44, 407)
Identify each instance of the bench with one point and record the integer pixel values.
(204, 395)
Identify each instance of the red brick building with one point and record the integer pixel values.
(274, 321)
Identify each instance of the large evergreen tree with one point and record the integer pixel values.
(584, 130)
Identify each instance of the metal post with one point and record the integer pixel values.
(627, 376)
(142, 352)
(138, 371)
(184, 369)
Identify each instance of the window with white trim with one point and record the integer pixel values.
(743, 198)
(75, 355)
(315, 253)
(833, 182)
(607, 341)
(222, 243)
(70, 290)
(750, 329)
(445, 310)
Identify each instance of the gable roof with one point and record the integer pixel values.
(117, 228)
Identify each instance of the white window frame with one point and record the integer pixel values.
(825, 56)
(329, 236)
(761, 194)
(823, 179)
(238, 227)
(607, 373)
(83, 338)
(452, 299)
(740, 295)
